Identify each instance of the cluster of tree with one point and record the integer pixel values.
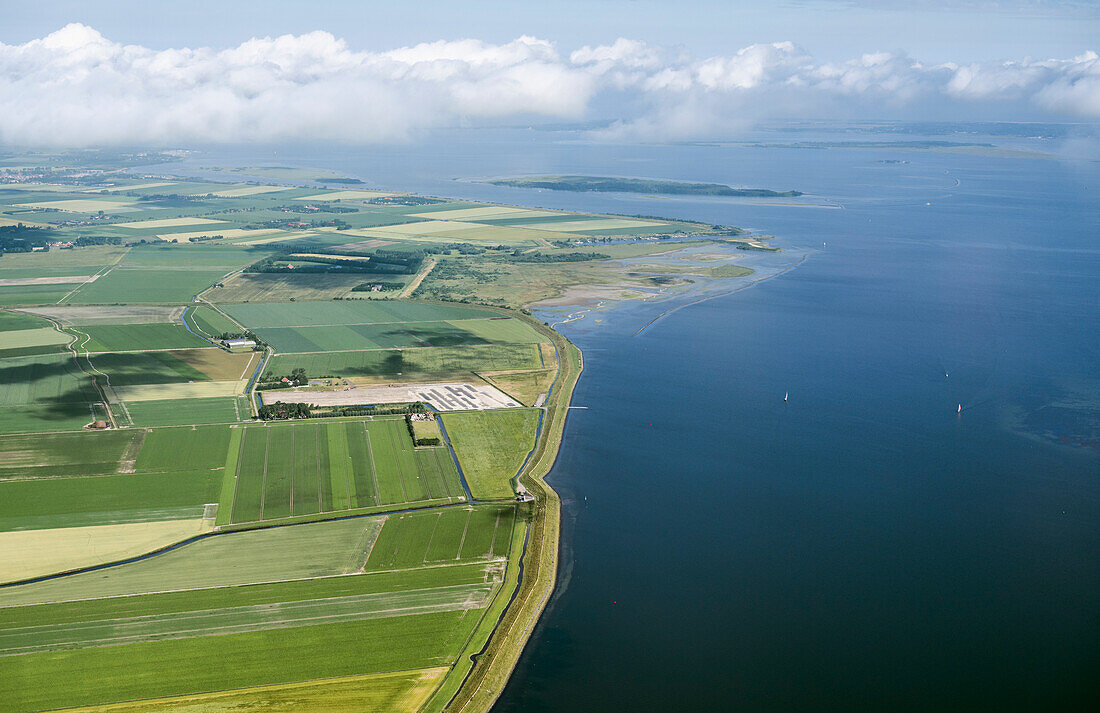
(169, 200)
(203, 238)
(270, 265)
(275, 411)
(21, 238)
(322, 207)
(518, 256)
(371, 410)
(403, 200)
(290, 223)
(430, 441)
(393, 262)
(247, 334)
(270, 412)
(270, 380)
(382, 286)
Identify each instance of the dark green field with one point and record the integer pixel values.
(178, 412)
(64, 454)
(491, 446)
(427, 360)
(137, 337)
(132, 369)
(46, 392)
(291, 470)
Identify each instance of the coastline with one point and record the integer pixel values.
(494, 663)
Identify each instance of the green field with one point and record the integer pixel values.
(179, 412)
(294, 314)
(32, 294)
(296, 552)
(179, 666)
(491, 447)
(106, 499)
(64, 454)
(456, 534)
(403, 334)
(17, 321)
(133, 284)
(193, 448)
(427, 360)
(137, 337)
(209, 322)
(46, 392)
(131, 369)
(290, 470)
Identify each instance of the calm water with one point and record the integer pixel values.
(861, 546)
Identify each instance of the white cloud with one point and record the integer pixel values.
(76, 87)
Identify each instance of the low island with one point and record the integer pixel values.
(616, 184)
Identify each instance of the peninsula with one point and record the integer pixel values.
(302, 430)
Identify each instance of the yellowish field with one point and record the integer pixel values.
(580, 226)
(246, 190)
(427, 227)
(135, 187)
(84, 205)
(345, 196)
(278, 236)
(360, 258)
(17, 221)
(53, 187)
(62, 280)
(398, 691)
(219, 364)
(227, 234)
(500, 233)
(196, 390)
(33, 338)
(280, 287)
(445, 231)
(108, 314)
(168, 223)
(33, 553)
(495, 211)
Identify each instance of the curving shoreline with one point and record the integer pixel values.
(537, 572)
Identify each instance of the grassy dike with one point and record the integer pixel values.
(493, 665)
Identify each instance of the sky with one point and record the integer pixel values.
(89, 73)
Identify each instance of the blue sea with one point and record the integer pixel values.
(861, 545)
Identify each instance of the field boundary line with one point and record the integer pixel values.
(373, 470)
(291, 580)
(102, 273)
(428, 547)
(465, 529)
(263, 486)
(397, 461)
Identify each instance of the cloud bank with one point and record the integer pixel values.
(75, 87)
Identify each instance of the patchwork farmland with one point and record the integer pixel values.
(296, 506)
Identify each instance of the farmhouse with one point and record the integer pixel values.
(232, 344)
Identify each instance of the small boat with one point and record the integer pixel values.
(960, 409)
(786, 394)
